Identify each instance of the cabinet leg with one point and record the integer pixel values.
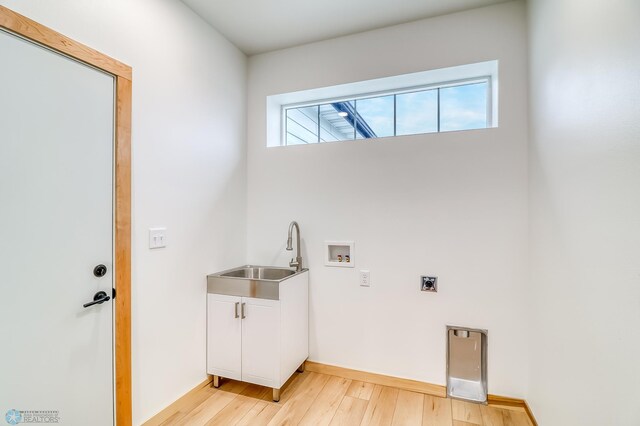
(276, 395)
(301, 368)
(216, 381)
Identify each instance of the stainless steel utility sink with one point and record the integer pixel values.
(259, 273)
(262, 282)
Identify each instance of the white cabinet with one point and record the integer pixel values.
(260, 337)
(224, 340)
(261, 341)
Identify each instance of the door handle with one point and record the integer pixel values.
(242, 310)
(236, 310)
(98, 298)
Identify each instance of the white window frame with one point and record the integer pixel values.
(277, 105)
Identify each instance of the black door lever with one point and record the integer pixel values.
(98, 298)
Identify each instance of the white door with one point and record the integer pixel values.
(224, 336)
(56, 226)
(261, 341)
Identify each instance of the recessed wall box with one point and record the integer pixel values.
(467, 364)
(429, 283)
(339, 253)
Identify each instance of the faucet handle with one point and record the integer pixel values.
(294, 263)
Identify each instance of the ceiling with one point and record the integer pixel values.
(257, 26)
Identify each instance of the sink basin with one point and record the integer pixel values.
(262, 282)
(259, 273)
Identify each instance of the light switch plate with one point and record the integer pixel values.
(157, 238)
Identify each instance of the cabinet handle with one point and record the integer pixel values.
(236, 310)
(242, 310)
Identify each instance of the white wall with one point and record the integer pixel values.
(451, 204)
(189, 173)
(585, 212)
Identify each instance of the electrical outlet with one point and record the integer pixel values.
(157, 238)
(365, 278)
(429, 283)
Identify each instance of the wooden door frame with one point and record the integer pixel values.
(25, 27)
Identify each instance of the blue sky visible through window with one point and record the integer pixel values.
(463, 107)
(417, 112)
(378, 114)
(449, 108)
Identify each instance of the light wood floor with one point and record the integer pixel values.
(318, 399)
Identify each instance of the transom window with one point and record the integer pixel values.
(458, 105)
(461, 97)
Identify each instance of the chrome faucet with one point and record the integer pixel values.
(297, 262)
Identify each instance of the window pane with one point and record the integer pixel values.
(336, 121)
(463, 107)
(375, 117)
(417, 112)
(302, 125)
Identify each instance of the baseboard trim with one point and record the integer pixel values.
(174, 407)
(378, 379)
(410, 385)
(530, 413)
(505, 400)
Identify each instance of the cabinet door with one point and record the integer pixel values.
(224, 336)
(261, 342)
